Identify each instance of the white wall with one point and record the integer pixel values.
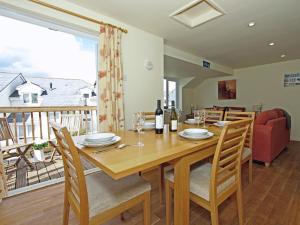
(258, 84)
(142, 87)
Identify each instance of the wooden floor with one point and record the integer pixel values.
(23, 176)
(272, 199)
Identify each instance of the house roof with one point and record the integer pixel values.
(10, 118)
(6, 78)
(55, 91)
(64, 92)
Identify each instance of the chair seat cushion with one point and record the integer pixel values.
(246, 152)
(200, 181)
(105, 193)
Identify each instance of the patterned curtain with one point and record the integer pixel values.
(110, 80)
(3, 187)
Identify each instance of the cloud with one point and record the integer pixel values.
(34, 50)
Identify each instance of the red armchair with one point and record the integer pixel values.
(270, 135)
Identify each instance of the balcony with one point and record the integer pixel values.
(32, 124)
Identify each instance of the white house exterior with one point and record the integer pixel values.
(17, 90)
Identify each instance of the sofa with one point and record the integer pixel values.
(271, 135)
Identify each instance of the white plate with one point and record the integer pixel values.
(191, 121)
(99, 137)
(209, 135)
(93, 145)
(195, 132)
(221, 123)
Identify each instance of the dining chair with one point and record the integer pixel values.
(73, 122)
(212, 184)
(149, 116)
(14, 149)
(213, 116)
(247, 151)
(96, 198)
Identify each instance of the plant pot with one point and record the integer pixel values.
(39, 155)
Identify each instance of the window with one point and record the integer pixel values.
(45, 54)
(26, 98)
(34, 98)
(170, 92)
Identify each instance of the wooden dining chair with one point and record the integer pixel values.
(73, 123)
(96, 198)
(15, 149)
(213, 116)
(212, 184)
(247, 151)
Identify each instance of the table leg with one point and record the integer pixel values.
(182, 192)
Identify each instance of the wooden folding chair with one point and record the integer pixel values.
(14, 149)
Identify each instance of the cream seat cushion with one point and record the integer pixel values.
(200, 181)
(105, 193)
(246, 152)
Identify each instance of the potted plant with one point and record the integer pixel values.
(38, 151)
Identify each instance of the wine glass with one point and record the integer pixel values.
(138, 123)
(203, 115)
(197, 116)
(179, 116)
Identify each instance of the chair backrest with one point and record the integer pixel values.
(226, 168)
(5, 131)
(72, 122)
(75, 184)
(213, 116)
(234, 116)
(149, 116)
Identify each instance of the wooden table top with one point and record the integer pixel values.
(157, 149)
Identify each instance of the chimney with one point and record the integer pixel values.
(51, 86)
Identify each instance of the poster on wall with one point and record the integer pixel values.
(291, 79)
(227, 89)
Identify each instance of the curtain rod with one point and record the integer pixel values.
(76, 14)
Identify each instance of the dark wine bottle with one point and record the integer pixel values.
(173, 118)
(159, 119)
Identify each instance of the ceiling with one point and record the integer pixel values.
(226, 40)
(178, 69)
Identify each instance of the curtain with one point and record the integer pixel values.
(110, 80)
(3, 187)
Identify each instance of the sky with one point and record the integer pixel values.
(38, 51)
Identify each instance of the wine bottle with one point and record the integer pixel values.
(173, 118)
(159, 119)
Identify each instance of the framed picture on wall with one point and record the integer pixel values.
(227, 89)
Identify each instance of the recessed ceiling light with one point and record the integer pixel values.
(251, 24)
(272, 43)
(283, 55)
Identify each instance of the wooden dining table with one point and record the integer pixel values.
(158, 149)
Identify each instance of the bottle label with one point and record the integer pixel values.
(174, 125)
(159, 122)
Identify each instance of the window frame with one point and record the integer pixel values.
(28, 98)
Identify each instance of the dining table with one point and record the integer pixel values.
(158, 149)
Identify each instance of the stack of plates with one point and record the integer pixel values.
(221, 123)
(100, 139)
(196, 134)
(149, 125)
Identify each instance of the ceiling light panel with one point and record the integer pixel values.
(197, 12)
